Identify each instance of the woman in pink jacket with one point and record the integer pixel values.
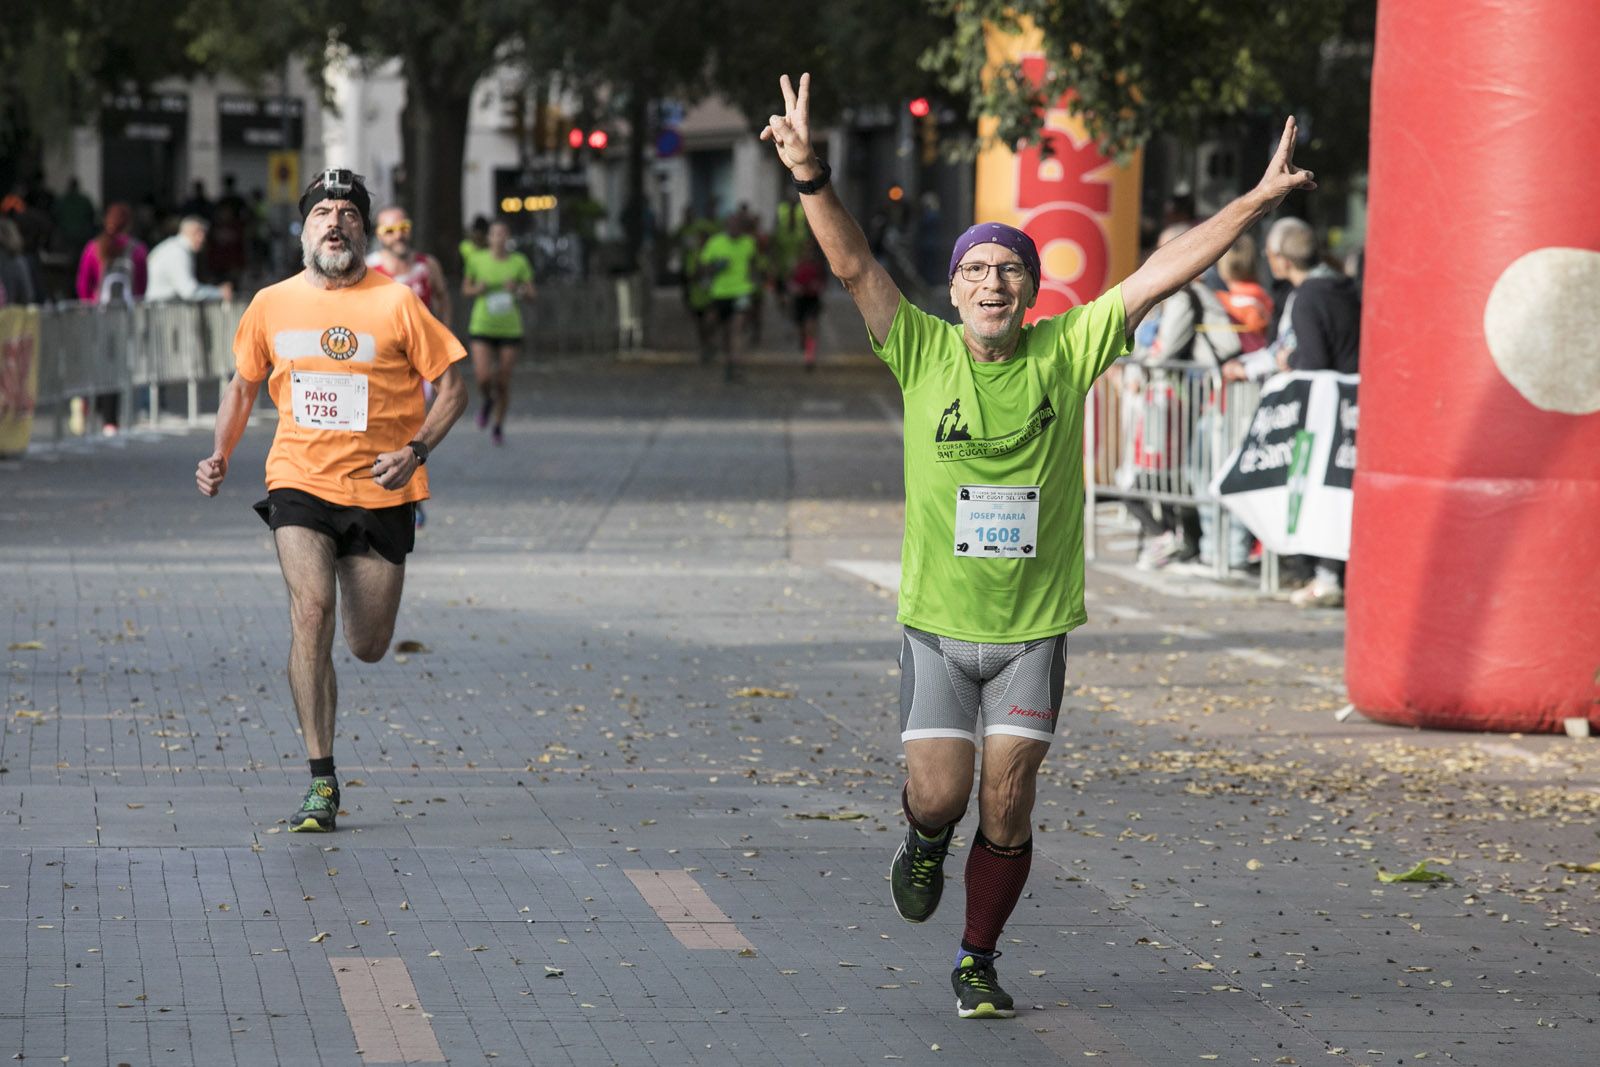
(112, 266)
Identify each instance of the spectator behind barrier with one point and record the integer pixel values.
(171, 265)
(113, 265)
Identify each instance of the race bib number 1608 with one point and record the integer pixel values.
(997, 521)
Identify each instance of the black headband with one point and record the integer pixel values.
(338, 184)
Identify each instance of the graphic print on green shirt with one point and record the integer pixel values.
(1015, 423)
(955, 443)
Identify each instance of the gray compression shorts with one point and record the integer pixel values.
(949, 687)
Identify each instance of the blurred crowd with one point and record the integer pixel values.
(59, 245)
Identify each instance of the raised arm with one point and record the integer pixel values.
(837, 233)
(1178, 262)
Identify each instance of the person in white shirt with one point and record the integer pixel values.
(171, 266)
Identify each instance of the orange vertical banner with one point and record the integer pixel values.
(1080, 207)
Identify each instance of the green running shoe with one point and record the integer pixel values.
(916, 878)
(318, 809)
(978, 992)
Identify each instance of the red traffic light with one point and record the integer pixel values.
(598, 140)
(919, 107)
(575, 137)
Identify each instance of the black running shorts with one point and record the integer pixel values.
(390, 532)
(949, 688)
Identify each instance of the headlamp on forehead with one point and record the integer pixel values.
(338, 183)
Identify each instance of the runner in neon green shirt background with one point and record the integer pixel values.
(728, 262)
(497, 277)
(992, 564)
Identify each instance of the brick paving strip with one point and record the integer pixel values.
(385, 1012)
(691, 916)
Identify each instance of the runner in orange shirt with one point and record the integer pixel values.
(344, 353)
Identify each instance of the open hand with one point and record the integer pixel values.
(209, 474)
(790, 132)
(1282, 176)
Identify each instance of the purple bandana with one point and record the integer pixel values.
(1000, 234)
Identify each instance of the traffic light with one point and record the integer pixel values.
(598, 139)
(920, 107)
(575, 137)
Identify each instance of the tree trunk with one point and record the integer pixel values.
(435, 155)
(639, 143)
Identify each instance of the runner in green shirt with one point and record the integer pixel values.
(992, 565)
(728, 262)
(497, 277)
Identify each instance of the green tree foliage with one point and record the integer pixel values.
(58, 57)
(444, 47)
(1143, 67)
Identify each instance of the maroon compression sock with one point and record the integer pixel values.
(995, 877)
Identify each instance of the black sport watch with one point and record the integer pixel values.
(421, 451)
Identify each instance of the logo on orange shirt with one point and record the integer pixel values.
(338, 342)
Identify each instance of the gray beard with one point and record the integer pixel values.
(339, 266)
(1012, 325)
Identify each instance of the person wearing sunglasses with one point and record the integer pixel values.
(397, 258)
(992, 566)
(344, 352)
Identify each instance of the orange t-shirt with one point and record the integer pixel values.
(345, 369)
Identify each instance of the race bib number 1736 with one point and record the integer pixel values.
(330, 401)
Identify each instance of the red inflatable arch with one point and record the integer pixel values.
(1474, 581)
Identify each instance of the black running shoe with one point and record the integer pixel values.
(916, 878)
(319, 809)
(978, 992)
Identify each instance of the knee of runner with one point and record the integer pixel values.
(1007, 808)
(938, 807)
(310, 615)
(371, 649)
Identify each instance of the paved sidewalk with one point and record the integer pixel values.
(628, 792)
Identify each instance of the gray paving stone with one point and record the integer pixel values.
(592, 599)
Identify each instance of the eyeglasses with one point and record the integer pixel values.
(1011, 273)
(394, 229)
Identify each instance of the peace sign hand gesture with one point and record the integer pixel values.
(1282, 176)
(790, 132)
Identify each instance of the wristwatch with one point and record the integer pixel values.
(816, 184)
(421, 451)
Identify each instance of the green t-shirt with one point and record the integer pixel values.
(495, 312)
(1016, 425)
(735, 276)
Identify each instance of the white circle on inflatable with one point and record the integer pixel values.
(1542, 325)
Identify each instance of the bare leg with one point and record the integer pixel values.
(307, 560)
(484, 372)
(508, 360)
(1007, 788)
(733, 341)
(939, 775)
(369, 588)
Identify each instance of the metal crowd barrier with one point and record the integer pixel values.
(90, 350)
(1158, 433)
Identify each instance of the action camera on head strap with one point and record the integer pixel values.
(339, 183)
